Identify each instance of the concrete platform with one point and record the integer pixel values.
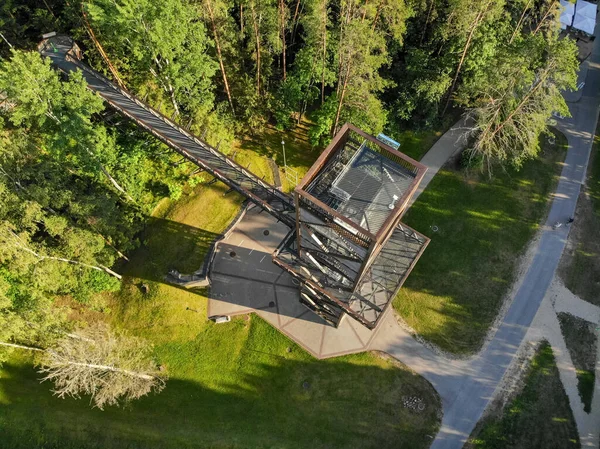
(244, 280)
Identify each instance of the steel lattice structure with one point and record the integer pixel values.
(349, 250)
(347, 247)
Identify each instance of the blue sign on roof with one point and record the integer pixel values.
(388, 141)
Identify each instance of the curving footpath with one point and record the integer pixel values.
(467, 386)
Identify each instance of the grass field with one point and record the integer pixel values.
(580, 265)
(235, 385)
(580, 337)
(457, 287)
(300, 155)
(538, 418)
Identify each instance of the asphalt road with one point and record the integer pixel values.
(466, 396)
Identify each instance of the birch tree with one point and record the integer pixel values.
(62, 111)
(516, 108)
(112, 368)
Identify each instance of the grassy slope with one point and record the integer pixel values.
(299, 153)
(580, 267)
(231, 386)
(455, 291)
(580, 337)
(538, 418)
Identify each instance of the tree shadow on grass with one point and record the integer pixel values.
(271, 398)
(482, 227)
(539, 416)
(166, 245)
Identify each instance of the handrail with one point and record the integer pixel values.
(272, 191)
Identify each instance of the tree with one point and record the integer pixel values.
(314, 57)
(26, 315)
(389, 16)
(216, 12)
(361, 52)
(110, 367)
(60, 110)
(422, 67)
(312, 64)
(161, 42)
(22, 22)
(547, 17)
(19, 249)
(264, 39)
(59, 217)
(520, 99)
(467, 22)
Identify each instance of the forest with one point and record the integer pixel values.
(78, 182)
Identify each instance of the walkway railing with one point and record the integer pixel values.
(189, 146)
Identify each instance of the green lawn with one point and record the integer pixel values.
(235, 385)
(580, 338)
(580, 265)
(457, 287)
(232, 386)
(538, 418)
(300, 155)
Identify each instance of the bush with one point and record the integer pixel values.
(94, 281)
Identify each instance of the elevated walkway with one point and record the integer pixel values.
(65, 55)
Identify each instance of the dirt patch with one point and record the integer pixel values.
(581, 341)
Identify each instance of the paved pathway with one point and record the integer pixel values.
(546, 326)
(445, 147)
(466, 387)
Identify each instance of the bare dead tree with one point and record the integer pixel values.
(110, 367)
